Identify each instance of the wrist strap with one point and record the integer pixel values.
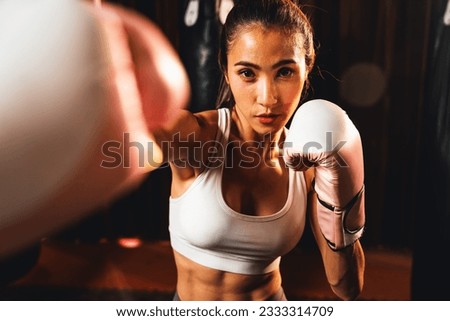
(332, 221)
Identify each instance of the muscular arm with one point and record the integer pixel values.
(344, 268)
(163, 87)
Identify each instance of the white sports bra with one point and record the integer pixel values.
(206, 230)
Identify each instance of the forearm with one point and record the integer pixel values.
(345, 271)
(344, 268)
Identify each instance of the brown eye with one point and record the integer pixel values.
(247, 74)
(285, 72)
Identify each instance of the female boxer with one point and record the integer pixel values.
(243, 185)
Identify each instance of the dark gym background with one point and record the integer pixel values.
(386, 62)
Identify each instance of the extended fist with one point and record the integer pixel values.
(73, 77)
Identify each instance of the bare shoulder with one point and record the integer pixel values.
(185, 124)
(187, 164)
(207, 118)
(207, 123)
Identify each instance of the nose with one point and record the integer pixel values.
(267, 93)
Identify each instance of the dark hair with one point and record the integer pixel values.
(283, 14)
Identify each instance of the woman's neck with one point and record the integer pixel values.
(267, 145)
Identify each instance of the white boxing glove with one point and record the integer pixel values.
(322, 135)
(73, 79)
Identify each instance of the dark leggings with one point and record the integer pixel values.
(279, 296)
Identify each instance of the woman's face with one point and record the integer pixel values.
(266, 72)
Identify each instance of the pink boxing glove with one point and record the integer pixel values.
(322, 135)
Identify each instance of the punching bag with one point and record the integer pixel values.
(200, 25)
(430, 273)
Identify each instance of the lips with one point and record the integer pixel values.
(266, 118)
